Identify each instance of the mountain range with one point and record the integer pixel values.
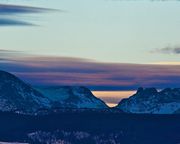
(20, 97)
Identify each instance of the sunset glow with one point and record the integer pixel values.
(112, 98)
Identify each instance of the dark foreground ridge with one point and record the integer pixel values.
(90, 128)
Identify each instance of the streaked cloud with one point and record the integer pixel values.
(10, 22)
(39, 70)
(10, 15)
(16, 9)
(10, 54)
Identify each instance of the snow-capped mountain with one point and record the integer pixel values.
(149, 100)
(15, 95)
(72, 97)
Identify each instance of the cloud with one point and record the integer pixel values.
(7, 51)
(168, 50)
(10, 22)
(39, 70)
(15, 9)
(10, 14)
(10, 54)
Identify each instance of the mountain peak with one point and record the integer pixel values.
(142, 90)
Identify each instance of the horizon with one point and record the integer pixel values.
(103, 45)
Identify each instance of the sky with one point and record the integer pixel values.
(106, 45)
(105, 30)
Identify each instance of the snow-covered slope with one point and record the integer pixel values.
(15, 95)
(72, 97)
(149, 100)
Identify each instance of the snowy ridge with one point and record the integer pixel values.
(72, 97)
(151, 101)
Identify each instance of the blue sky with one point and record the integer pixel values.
(104, 30)
(96, 43)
